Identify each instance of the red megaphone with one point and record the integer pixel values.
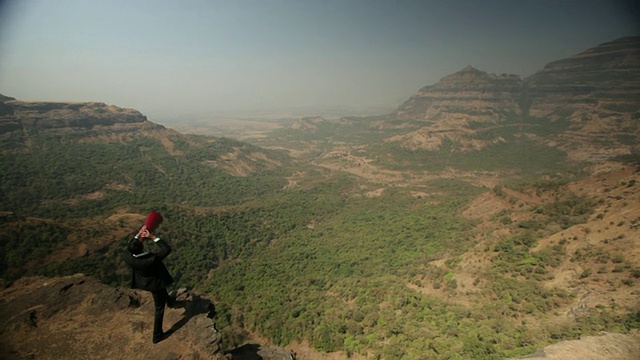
(154, 219)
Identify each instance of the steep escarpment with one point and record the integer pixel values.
(39, 115)
(605, 78)
(469, 94)
(596, 94)
(447, 108)
(587, 105)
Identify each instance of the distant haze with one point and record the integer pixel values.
(190, 59)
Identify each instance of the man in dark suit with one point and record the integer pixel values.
(149, 273)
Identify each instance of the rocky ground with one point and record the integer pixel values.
(77, 317)
(605, 346)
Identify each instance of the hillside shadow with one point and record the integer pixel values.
(196, 305)
(245, 352)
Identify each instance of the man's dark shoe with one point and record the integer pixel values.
(158, 338)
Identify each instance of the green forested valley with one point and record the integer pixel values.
(293, 251)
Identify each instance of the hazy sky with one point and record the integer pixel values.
(185, 58)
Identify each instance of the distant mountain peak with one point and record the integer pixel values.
(470, 77)
(466, 75)
(470, 68)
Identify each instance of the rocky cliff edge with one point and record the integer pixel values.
(77, 317)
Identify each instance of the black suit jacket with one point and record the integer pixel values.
(149, 273)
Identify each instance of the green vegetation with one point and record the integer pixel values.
(543, 126)
(522, 155)
(319, 261)
(139, 172)
(27, 242)
(325, 134)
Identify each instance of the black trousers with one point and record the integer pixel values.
(160, 299)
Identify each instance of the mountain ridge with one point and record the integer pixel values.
(594, 94)
(38, 115)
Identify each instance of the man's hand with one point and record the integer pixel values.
(142, 229)
(145, 234)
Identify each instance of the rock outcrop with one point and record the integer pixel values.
(77, 317)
